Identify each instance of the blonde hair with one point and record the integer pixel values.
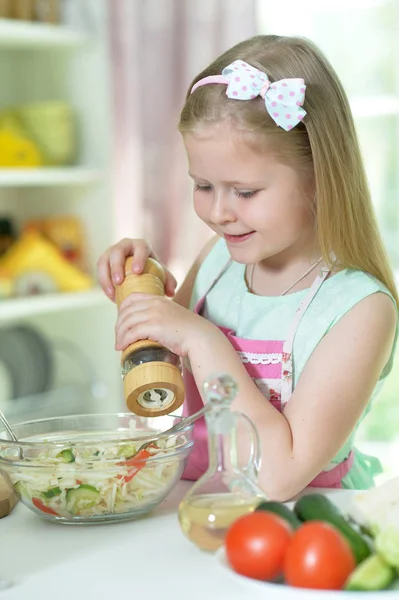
(324, 143)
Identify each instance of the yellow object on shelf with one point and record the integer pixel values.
(6, 285)
(18, 151)
(33, 253)
(50, 126)
(66, 233)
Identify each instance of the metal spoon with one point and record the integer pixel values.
(10, 432)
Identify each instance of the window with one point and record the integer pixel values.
(360, 39)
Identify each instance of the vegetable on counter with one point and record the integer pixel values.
(281, 510)
(372, 574)
(318, 557)
(312, 546)
(387, 545)
(256, 545)
(377, 509)
(318, 507)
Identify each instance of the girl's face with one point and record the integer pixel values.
(255, 202)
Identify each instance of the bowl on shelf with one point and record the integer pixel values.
(90, 468)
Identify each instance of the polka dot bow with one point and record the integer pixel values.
(283, 99)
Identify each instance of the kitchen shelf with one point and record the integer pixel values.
(27, 35)
(67, 63)
(48, 176)
(47, 303)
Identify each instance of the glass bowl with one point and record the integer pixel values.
(84, 468)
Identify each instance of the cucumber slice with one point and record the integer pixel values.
(67, 455)
(55, 491)
(371, 575)
(20, 488)
(387, 545)
(80, 498)
(127, 450)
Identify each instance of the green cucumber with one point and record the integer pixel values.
(317, 507)
(127, 450)
(55, 491)
(281, 510)
(371, 575)
(67, 455)
(81, 497)
(20, 488)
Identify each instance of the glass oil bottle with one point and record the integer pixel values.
(226, 491)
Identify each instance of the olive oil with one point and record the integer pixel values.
(205, 519)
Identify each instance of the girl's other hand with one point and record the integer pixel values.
(111, 265)
(147, 317)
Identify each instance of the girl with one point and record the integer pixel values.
(293, 296)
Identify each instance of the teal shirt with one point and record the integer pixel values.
(230, 304)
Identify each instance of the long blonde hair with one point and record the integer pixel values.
(324, 143)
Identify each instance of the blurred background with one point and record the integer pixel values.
(89, 100)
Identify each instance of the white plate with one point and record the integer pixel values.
(285, 592)
(343, 500)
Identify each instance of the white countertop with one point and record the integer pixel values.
(148, 556)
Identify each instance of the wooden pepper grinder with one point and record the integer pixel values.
(152, 381)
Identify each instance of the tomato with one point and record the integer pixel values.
(318, 557)
(39, 504)
(256, 545)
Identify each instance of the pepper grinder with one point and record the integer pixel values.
(152, 381)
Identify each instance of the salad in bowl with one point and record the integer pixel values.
(95, 468)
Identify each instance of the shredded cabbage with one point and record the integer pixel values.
(96, 481)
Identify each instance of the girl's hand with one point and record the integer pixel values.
(111, 265)
(143, 316)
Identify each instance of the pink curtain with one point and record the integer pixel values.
(157, 47)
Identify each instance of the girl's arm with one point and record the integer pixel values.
(334, 389)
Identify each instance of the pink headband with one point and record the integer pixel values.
(283, 99)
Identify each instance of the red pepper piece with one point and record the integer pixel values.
(39, 504)
(137, 462)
